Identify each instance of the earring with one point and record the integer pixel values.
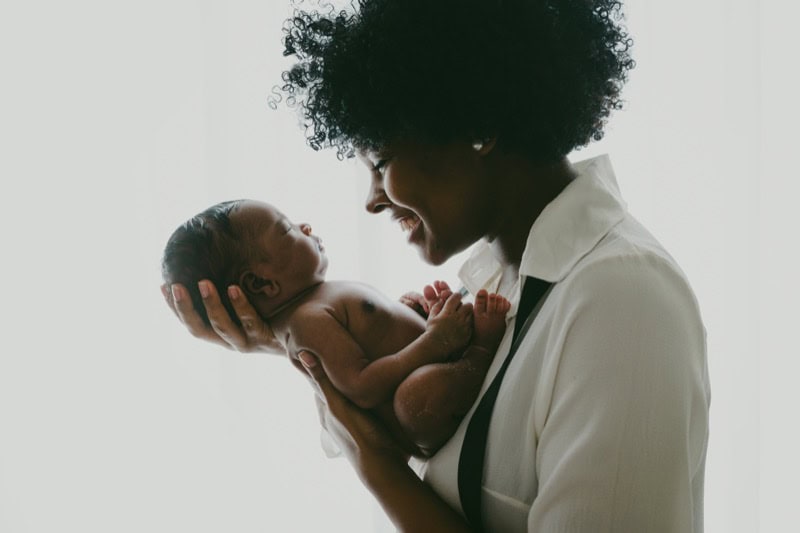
(477, 146)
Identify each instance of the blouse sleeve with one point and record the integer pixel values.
(622, 446)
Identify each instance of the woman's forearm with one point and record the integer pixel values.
(410, 504)
(380, 463)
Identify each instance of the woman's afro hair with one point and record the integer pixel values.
(540, 75)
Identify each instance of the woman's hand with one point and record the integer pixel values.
(254, 335)
(364, 441)
(382, 466)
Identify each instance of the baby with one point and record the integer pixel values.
(420, 377)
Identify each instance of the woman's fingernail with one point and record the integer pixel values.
(233, 293)
(176, 293)
(307, 359)
(203, 289)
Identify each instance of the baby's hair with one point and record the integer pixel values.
(205, 247)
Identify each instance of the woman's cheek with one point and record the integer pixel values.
(395, 191)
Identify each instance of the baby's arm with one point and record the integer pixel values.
(369, 383)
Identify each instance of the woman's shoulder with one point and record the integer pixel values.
(630, 268)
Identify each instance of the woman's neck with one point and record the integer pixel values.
(524, 191)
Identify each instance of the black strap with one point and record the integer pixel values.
(473, 450)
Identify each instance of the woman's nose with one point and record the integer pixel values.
(377, 200)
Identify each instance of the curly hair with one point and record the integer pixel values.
(540, 75)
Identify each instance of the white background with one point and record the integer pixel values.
(118, 120)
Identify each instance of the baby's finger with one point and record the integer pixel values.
(453, 303)
(436, 308)
(429, 293)
(232, 335)
(442, 286)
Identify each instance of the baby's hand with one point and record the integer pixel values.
(450, 321)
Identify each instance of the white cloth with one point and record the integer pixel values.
(601, 423)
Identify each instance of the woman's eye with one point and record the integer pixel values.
(381, 164)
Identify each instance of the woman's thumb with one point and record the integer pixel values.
(310, 363)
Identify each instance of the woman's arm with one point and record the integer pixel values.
(411, 504)
(623, 441)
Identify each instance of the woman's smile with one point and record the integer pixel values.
(409, 223)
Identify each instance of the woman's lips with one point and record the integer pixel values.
(412, 225)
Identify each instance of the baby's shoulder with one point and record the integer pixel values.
(346, 293)
(355, 304)
(336, 300)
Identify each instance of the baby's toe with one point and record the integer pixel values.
(481, 300)
(491, 306)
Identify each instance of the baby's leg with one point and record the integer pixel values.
(431, 402)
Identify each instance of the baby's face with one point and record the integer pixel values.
(295, 257)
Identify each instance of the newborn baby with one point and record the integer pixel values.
(419, 376)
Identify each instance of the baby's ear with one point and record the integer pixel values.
(254, 284)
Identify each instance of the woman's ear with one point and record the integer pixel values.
(484, 145)
(253, 284)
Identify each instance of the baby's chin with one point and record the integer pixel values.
(323, 268)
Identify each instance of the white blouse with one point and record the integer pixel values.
(601, 423)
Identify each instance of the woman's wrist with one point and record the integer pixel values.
(409, 502)
(377, 469)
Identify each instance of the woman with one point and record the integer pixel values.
(464, 112)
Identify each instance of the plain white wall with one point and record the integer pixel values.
(118, 120)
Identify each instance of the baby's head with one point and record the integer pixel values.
(245, 243)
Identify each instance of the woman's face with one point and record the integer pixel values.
(437, 194)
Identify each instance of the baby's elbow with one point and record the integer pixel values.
(364, 390)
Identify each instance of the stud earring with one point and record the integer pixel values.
(477, 146)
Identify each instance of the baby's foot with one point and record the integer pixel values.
(438, 291)
(450, 322)
(489, 320)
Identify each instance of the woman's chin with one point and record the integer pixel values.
(432, 254)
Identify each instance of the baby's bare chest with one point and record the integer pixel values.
(379, 325)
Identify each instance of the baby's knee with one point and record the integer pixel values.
(421, 407)
(412, 400)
